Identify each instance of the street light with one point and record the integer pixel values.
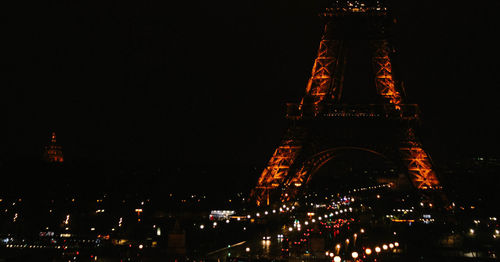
(354, 254)
(368, 251)
(385, 247)
(377, 249)
(337, 259)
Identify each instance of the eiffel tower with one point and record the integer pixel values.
(354, 60)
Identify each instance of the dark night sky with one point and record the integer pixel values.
(157, 83)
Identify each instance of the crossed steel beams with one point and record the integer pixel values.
(324, 89)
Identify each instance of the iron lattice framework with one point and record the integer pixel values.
(299, 155)
(324, 82)
(418, 162)
(382, 68)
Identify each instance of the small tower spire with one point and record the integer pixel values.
(53, 152)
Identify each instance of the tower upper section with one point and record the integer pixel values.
(353, 65)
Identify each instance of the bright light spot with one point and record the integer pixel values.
(202, 226)
(396, 244)
(385, 247)
(377, 249)
(368, 251)
(331, 254)
(327, 253)
(391, 245)
(337, 259)
(354, 254)
(141, 246)
(290, 229)
(362, 231)
(247, 249)
(471, 231)
(215, 224)
(307, 223)
(265, 213)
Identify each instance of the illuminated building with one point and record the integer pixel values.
(53, 152)
(328, 122)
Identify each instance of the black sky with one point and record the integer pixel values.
(160, 83)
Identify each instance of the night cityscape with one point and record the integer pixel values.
(331, 130)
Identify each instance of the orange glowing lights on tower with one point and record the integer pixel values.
(53, 152)
(326, 121)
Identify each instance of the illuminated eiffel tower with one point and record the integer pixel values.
(326, 122)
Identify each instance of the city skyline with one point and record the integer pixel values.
(150, 85)
(142, 132)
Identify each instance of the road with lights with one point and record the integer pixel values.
(374, 223)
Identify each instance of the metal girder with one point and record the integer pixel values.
(308, 167)
(322, 83)
(418, 163)
(382, 69)
(324, 89)
(419, 166)
(278, 167)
